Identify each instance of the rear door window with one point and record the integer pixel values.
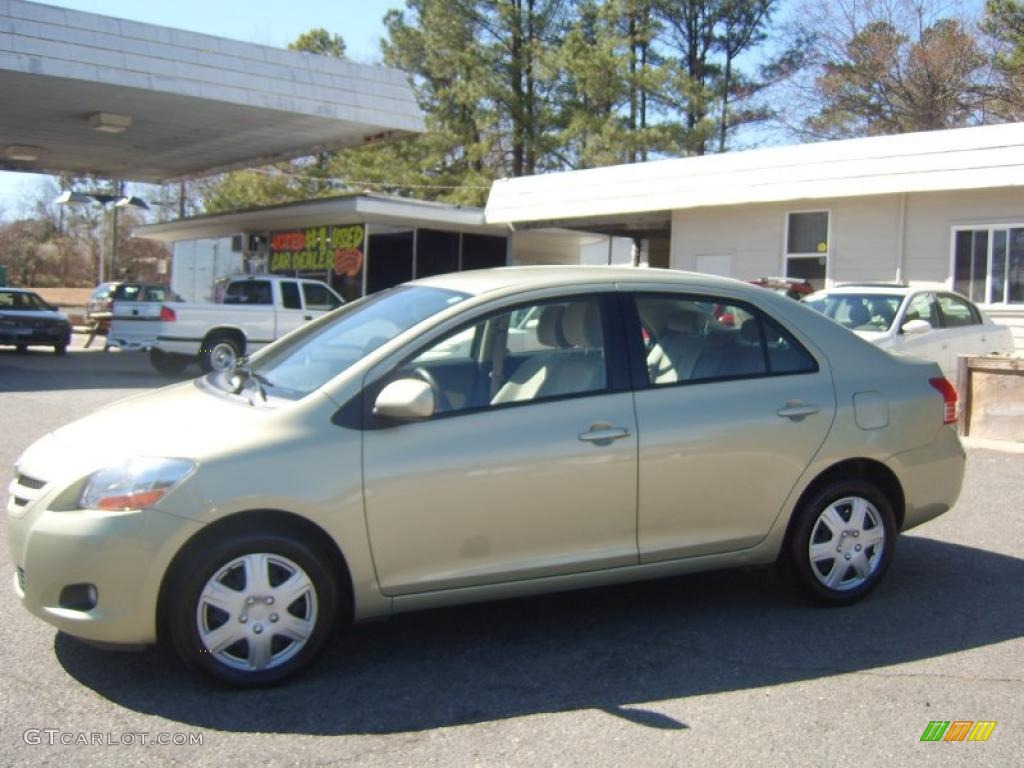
(700, 338)
(957, 312)
(249, 292)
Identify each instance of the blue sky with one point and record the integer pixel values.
(265, 22)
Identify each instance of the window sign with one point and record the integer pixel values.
(318, 249)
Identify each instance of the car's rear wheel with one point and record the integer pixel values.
(252, 610)
(843, 541)
(167, 364)
(21, 349)
(60, 349)
(219, 353)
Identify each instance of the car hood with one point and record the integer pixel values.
(34, 314)
(180, 421)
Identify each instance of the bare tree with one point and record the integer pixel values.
(886, 66)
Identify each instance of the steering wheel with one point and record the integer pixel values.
(440, 398)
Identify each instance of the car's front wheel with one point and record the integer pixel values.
(843, 541)
(252, 610)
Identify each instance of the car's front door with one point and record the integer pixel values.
(931, 345)
(528, 469)
(730, 411)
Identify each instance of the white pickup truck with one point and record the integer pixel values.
(255, 311)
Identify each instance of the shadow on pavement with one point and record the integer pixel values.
(611, 649)
(39, 369)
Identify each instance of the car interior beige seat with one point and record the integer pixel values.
(575, 364)
(675, 353)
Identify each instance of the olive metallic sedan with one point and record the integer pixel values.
(475, 436)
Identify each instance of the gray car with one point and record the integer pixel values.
(26, 320)
(476, 436)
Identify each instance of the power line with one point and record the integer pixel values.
(350, 183)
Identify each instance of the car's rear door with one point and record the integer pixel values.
(731, 407)
(965, 333)
(529, 468)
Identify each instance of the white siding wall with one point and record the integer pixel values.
(538, 246)
(931, 217)
(865, 236)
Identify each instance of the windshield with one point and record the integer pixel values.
(14, 300)
(857, 311)
(323, 349)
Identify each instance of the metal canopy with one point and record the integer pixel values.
(196, 103)
(343, 209)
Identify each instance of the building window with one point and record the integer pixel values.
(807, 246)
(988, 263)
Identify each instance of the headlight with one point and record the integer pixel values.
(135, 484)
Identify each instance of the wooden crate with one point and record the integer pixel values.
(991, 397)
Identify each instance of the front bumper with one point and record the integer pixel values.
(55, 335)
(124, 555)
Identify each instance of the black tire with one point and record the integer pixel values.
(60, 349)
(215, 349)
(167, 364)
(856, 566)
(21, 349)
(193, 572)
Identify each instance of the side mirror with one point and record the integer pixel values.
(406, 400)
(916, 327)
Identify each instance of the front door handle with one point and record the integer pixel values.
(307, 317)
(796, 410)
(603, 433)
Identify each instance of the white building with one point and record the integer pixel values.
(945, 206)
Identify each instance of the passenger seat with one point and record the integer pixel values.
(577, 364)
(675, 353)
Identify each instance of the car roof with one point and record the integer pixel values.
(885, 289)
(12, 289)
(479, 281)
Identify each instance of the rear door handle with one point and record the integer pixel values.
(796, 409)
(307, 317)
(600, 433)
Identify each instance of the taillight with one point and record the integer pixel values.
(948, 392)
(168, 315)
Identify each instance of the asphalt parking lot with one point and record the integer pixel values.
(716, 669)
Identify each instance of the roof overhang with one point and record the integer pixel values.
(967, 158)
(195, 103)
(347, 209)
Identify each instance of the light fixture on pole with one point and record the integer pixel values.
(21, 152)
(132, 201)
(119, 200)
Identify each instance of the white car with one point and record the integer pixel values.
(933, 323)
